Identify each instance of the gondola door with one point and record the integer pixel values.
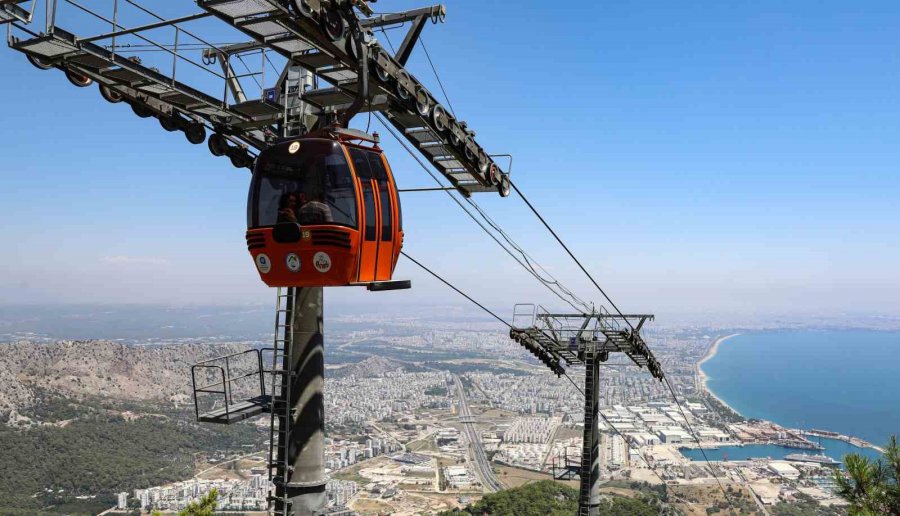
(367, 165)
(368, 255)
(388, 237)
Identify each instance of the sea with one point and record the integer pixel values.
(845, 381)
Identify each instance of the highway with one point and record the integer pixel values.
(482, 464)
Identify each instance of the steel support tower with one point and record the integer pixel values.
(560, 340)
(296, 459)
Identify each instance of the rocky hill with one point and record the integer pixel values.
(79, 369)
(368, 367)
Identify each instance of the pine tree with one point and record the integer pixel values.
(871, 487)
(205, 506)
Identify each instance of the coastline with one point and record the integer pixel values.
(704, 379)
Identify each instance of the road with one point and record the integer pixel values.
(756, 499)
(482, 464)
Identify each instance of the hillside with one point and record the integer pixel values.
(368, 367)
(103, 418)
(551, 498)
(29, 372)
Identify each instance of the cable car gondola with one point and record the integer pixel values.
(323, 210)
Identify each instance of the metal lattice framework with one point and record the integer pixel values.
(333, 67)
(584, 339)
(558, 339)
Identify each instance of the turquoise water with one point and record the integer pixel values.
(833, 448)
(845, 381)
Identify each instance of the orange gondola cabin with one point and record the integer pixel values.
(324, 211)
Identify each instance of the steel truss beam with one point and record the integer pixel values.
(586, 339)
(317, 38)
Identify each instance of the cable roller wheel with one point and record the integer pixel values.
(350, 48)
(504, 186)
(305, 7)
(470, 142)
(454, 139)
(39, 62)
(484, 162)
(110, 95)
(440, 117)
(141, 110)
(379, 61)
(82, 81)
(423, 102)
(195, 133)
(169, 122)
(217, 144)
(332, 24)
(493, 175)
(402, 90)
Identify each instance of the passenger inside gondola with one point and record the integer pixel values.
(315, 211)
(309, 187)
(287, 207)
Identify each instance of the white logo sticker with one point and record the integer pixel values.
(293, 262)
(263, 263)
(294, 147)
(322, 262)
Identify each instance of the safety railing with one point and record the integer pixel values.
(221, 369)
(523, 315)
(11, 11)
(112, 31)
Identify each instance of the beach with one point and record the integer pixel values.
(805, 379)
(704, 378)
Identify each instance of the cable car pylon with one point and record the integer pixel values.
(584, 339)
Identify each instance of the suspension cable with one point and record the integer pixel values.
(528, 268)
(436, 76)
(458, 291)
(665, 378)
(571, 255)
(527, 259)
(565, 373)
(249, 72)
(697, 440)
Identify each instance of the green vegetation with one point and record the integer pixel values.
(804, 505)
(659, 491)
(551, 498)
(724, 414)
(436, 391)
(471, 367)
(871, 487)
(205, 506)
(46, 467)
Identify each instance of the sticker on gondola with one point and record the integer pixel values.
(322, 262)
(263, 263)
(293, 262)
(294, 147)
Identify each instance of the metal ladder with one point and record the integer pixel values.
(587, 451)
(280, 409)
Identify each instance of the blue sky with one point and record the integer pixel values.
(699, 157)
